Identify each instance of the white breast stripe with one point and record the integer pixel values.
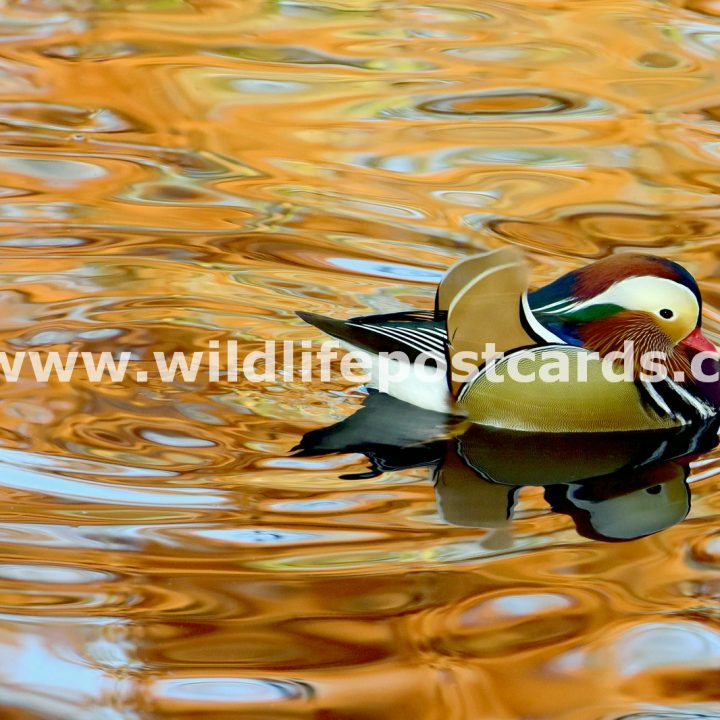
(535, 326)
(657, 398)
(702, 409)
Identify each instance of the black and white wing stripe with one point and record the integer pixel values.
(414, 333)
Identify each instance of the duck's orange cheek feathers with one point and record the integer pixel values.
(610, 334)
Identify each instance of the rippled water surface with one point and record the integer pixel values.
(174, 172)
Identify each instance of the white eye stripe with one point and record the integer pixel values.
(647, 293)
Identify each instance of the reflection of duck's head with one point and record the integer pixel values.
(659, 500)
(615, 486)
(618, 486)
(651, 499)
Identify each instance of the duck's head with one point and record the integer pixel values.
(651, 301)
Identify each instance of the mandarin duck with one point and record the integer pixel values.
(582, 317)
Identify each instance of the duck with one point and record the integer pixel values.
(581, 321)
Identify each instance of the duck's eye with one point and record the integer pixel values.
(666, 313)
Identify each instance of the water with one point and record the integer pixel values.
(176, 172)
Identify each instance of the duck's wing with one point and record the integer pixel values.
(412, 333)
(522, 400)
(482, 297)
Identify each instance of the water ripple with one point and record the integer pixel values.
(175, 172)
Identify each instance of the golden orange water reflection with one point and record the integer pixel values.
(178, 171)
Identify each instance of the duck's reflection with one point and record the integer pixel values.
(615, 486)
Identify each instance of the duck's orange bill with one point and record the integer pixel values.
(697, 341)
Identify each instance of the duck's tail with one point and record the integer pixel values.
(336, 328)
